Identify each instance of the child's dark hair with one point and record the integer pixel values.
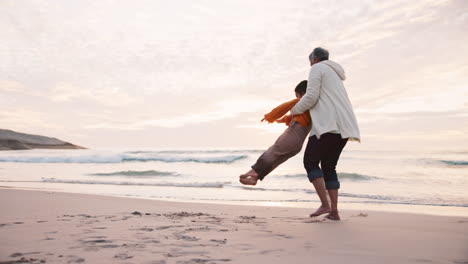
(301, 87)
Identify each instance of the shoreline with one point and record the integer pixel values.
(57, 227)
(435, 210)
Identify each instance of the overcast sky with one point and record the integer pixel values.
(200, 74)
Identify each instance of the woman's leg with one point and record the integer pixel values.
(330, 155)
(324, 208)
(315, 175)
(333, 215)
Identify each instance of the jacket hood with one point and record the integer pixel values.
(336, 67)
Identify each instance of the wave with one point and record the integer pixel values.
(195, 151)
(130, 173)
(118, 158)
(371, 196)
(313, 200)
(63, 159)
(360, 198)
(341, 176)
(221, 159)
(455, 162)
(162, 184)
(311, 191)
(355, 176)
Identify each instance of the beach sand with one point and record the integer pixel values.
(53, 227)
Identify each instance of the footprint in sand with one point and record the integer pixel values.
(96, 244)
(134, 245)
(166, 227)
(247, 217)
(187, 238)
(283, 236)
(123, 256)
(158, 262)
(74, 259)
(219, 241)
(88, 231)
(314, 221)
(147, 229)
(360, 215)
(270, 251)
(24, 260)
(85, 216)
(198, 229)
(423, 260)
(201, 261)
(97, 241)
(150, 240)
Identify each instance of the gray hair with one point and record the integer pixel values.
(320, 53)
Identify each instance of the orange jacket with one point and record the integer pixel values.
(281, 110)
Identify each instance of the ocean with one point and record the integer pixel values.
(400, 181)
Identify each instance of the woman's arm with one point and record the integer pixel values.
(312, 94)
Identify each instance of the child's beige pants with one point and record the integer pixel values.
(285, 147)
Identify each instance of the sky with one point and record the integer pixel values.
(189, 74)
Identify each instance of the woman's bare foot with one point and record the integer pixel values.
(320, 211)
(333, 215)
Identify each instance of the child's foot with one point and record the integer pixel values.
(320, 211)
(333, 215)
(248, 179)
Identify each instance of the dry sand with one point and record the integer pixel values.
(51, 227)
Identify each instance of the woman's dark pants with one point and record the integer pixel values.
(326, 152)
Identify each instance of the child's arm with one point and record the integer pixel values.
(279, 111)
(286, 120)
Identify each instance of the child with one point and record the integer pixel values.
(287, 145)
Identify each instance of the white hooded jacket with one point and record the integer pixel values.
(328, 103)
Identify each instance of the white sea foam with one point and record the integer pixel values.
(454, 162)
(370, 177)
(168, 184)
(119, 157)
(341, 176)
(166, 158)
(137, 174)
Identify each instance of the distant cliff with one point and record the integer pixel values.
(11, 140)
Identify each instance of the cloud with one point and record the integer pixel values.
(14, 117)
(66, 92)
(225, 109)
(10, 86)
(140, 66)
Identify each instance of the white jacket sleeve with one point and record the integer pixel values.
(312, 93)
